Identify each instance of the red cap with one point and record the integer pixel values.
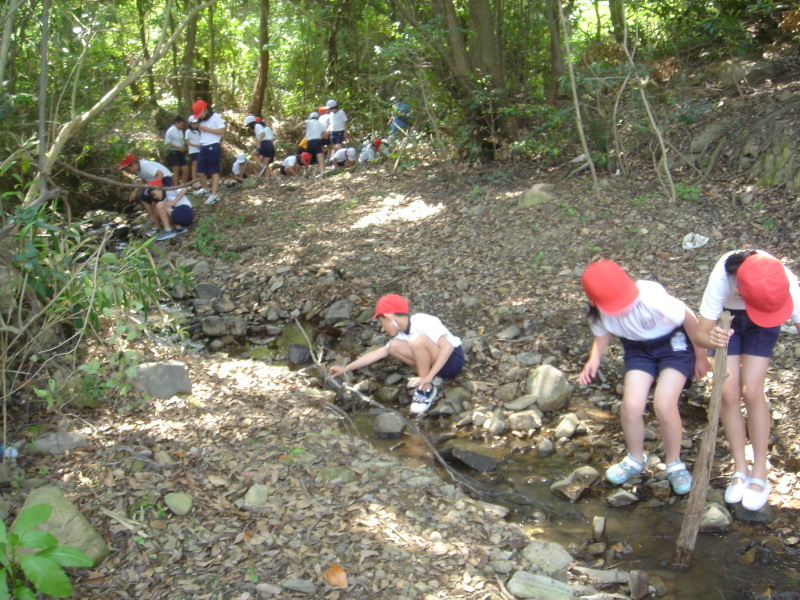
(609, 287)
(764, 287)
(306, 158)
(322, 110)
(391, 304)
(128, 159)
(198, 108)
(155, 182)
(376, 142)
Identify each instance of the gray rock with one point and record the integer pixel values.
(548, 557)
(529, 359)
(341, 310)
(60, 442)
(5, 508)
(567, 427)
(638, 582)
(389, 393)
(207, 291)
(497, 423)
(299, 354)
(478, 210)
(509, 333)
(578, 481)
(545, 448)
(525, 420)
(163, 458)
(67, 524)
(163, 379)
(476, 456)
(715, 518)
(178, 502)
(762, 515)
(336, 474)
(225, 305)
(469, 302)
(540, 587)
(505, 392)
(303, 586)
(610, 577)
(621, 498)
(388, 425)
(217, 326)
(550, 386)
(202, 268)
(521, 403)
(256, 496)
(534, 197)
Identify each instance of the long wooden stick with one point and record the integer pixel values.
(705, 458)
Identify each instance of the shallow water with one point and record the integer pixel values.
(649, 533)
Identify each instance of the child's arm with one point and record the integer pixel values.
(701, 362)
(710, 336)
(361, 361)
(599, 346)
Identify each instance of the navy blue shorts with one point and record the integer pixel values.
(209, 159)
(749, 338)
(267, 149)
(176, 158)
(337, 137)
(282, 170)
(182, 215)
(193, 156)
(454, 364)
(653, 356)
(340, 163)
(314, 147)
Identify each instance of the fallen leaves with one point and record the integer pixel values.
(336, 576)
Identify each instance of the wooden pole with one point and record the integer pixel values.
(705, 458)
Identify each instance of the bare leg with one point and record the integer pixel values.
(164, 215)
(214, 183)
(634, 399)
(203, 181)
(665, 401)
(730, 413)
(753, 375)
(150, 209)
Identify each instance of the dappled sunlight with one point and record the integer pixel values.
(395, 207)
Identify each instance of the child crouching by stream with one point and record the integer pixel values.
(653, 328)
(420, 341)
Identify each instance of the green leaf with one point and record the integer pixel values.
(3, 535)
(31, 517)
(4, 556)
(46, 575)
(67, 556)
(23, 593)
(38, 539)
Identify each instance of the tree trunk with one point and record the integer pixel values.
(8, 30)
(212, 59)
(557, 68)
(141, 9)
(485, 50)
(262, 76)
(456, 44)
(617, 9)
(187, 75)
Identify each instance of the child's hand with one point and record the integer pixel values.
(589, 371)
(336, 370)
(719, 337)
(701, 366)
(419, 382)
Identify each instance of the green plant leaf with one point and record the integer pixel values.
(37, 539)
(3, 534)
(23, 593)
(4, 556)
(67, 556)
(30, 518)
(4, 595)
(46, 575)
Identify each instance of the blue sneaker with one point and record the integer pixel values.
(422, 401)
(679, 477)
(165, 235)
(622, 471)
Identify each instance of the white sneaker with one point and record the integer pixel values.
(211, 199)
(200, 192)
(422, 401)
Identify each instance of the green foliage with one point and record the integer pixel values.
(211, 231)
(686, 192)
(42, 571)
(545, 131)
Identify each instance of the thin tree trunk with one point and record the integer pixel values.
(617, 10)
(484, 45)
(262, 76)
(8, 30)
(187, 63)
(151, 84)
(212, 59)
(556, 54)
(456, 45)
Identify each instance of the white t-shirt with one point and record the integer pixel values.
(429, 326)
(367, 154)
(174, 137)
(214, 122)
(338, 120)
(237, 167)
(289, 161)
(340, 155)
(170, 196)
(192, 136)
(654, 315)
(325, 121)
(149, 168)
(265, 131)
(721, 291)
(314, 129)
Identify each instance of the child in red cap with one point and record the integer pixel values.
(761, 294)
(420, 341)
(653, 328)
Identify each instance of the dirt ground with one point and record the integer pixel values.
(397, 532)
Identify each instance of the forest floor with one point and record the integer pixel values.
(397, 531)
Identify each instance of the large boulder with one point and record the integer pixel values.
(163, 379)
(550, 386)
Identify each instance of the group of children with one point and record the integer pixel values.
(663, 343)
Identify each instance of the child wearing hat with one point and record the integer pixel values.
(192, 136)
(176, 150)
(761, 294)
(146, 170)
(173, 208)
(337, 125)
(373, 150)
(420, 341)
(241, 168)
(344, 158)
(294, 163)
(209, 159)
(653, 328)
(314, 133)
(265, 144)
